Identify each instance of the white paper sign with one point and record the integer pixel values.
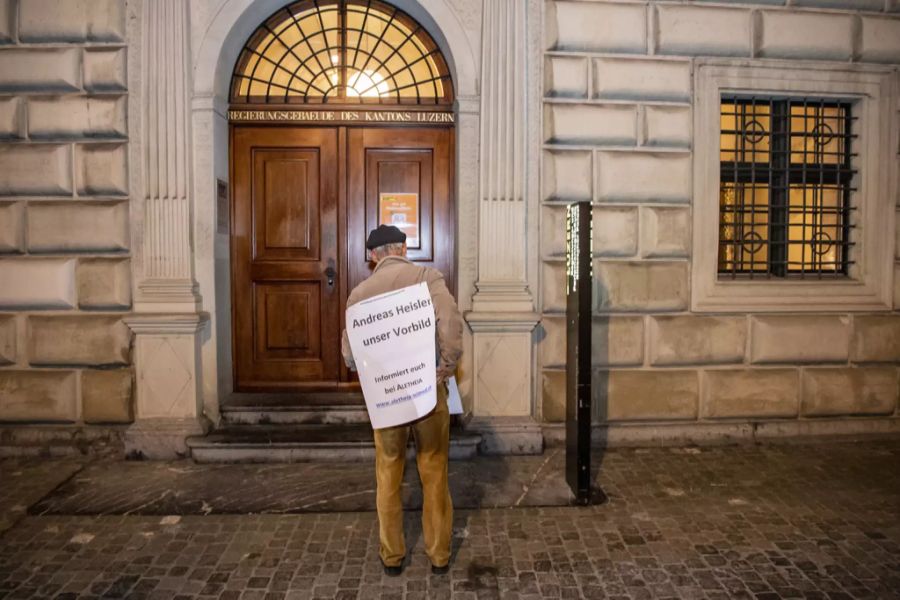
(392, 339)
(454, 401)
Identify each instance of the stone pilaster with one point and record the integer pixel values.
(167, 321)
(502, 317)
(167, 283)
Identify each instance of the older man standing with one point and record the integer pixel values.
(393, 271)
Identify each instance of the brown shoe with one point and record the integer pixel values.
(436, 570)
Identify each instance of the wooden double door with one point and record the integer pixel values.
(303, 202)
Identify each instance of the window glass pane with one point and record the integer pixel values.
(743, 228)
(816, 229)
(816, 134)
(745, 128)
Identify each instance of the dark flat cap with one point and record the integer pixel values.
(385, 234)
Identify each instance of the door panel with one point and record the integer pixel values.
(287, 315)
(401, 161)
(288, 192)
(285, 215)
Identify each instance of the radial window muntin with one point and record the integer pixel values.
(341, 51)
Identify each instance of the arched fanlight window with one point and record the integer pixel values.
(341, 51)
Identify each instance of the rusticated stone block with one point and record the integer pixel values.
(641, 79)
(8, 339)
(62, 117)
(846, 391)
(667, 126)
(876, 338)
(106, 396)
(71, 20)
(823, 36)
(39, 70)
(615, 341)
(684, 340)
(101, 169)
(567, 175)
(553, 230)
(35, 395)
(590, 124)
(78, 340)
(31, 170)
(565, 77)
(7, 19)
(554, 282)
(104, 70)
(10, 118)
(799, 339)
(37, 283)
(596, 26)
(662, 395)
(751, 393)
(709, 31)
(81, 226)
(553, 396)
(665, 232)
(851, 4)
(614, 231)
(626, 176)
(880, 40)
(12, 227)
(640, 286)
(104, 283)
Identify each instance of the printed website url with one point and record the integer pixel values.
(405, 398)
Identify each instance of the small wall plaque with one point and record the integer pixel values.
(222, 207)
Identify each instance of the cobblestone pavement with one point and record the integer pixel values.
(818, 521)
(24, 481)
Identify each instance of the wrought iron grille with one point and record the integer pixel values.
(341, 51)
(785, 189)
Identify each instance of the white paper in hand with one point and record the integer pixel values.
(392, 339)
(454, 402)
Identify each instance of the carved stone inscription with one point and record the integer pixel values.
(341, 116)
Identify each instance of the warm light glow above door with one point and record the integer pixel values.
(334, 51)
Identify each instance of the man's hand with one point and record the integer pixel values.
(444, 373)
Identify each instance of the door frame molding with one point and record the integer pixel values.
(341, 131)
(220, 35)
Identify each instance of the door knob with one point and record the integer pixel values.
(330, 273)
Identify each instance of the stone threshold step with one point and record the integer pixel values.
(305, 443)
(321, 409)
(318, 415)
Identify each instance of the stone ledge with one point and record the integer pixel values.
(56, 440)
(637, 435)
(507, 435)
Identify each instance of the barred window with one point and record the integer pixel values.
(785, 187)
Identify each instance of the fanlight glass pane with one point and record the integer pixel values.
(319, 51)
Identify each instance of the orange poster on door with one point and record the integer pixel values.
(401, 211)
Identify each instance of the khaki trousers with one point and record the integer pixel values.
(432, 437)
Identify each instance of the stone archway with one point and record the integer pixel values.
(221, 38)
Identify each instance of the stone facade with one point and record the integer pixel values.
(620, 109)
(103, 319)
(65, 261)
